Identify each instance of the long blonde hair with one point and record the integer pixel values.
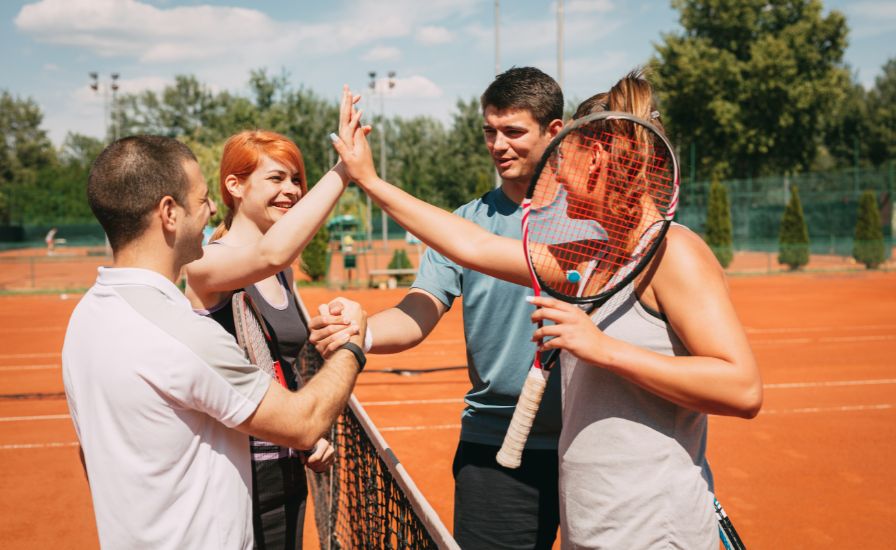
(241, 156)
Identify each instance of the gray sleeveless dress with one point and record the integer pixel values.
(633, 471)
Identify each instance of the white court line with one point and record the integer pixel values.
(827, 340)
(411, 402)
(38, 445)
(35, 329)
(28, 355)
(832, 384)
(30, 367)
(844, 328)
(418, 428)
(844, 408)
(41, 417)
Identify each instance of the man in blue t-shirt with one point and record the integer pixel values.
(494, 507)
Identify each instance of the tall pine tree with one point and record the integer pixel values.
(315, 257)
(868, 247)
(718, 224)
(794, 236)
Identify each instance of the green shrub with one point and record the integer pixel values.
(718, 224)
(868, 247)
(794, 236)
(400, 260)
(315, 257)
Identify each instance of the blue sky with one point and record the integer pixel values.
(441, 50)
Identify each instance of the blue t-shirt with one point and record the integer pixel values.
(498, 332)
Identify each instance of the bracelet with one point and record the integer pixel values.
(356, 350)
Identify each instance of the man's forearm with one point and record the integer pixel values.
(324, 397)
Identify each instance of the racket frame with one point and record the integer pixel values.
(243, 302)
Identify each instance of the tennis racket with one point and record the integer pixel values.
(730, 538)
(253, 336)
(596, 211)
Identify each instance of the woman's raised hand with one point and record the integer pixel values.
(351, 142)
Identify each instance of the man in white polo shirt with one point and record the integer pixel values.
(162, 398)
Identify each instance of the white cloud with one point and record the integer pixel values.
(886, 10)
(431, 35)
(416, 87)
(869, 19)
(585, 6)
(51, 67)
(413, 87)
(382, 53)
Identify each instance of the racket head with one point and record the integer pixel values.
(251, 332)
(599, 205)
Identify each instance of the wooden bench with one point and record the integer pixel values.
(390, 274)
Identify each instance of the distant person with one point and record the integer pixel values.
(494, 507)
(161, 398)
(50, 239)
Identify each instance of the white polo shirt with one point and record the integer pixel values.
(154, 391)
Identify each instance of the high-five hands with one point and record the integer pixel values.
(351, 141)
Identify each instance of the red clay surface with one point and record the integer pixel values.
(813, 470)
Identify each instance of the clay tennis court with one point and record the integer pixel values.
(813, 470)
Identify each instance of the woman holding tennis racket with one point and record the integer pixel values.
(664, 348)
(271, 217)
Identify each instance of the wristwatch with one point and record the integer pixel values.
(357, 352)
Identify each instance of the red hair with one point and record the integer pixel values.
(241, 156)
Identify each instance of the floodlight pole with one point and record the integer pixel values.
(110, 115)
(390, 83)
(497, 65)
(560, 43)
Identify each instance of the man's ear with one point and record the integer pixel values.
(168, 213)
(554, 127)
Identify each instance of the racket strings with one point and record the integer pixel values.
(612, 186)
(251, 336)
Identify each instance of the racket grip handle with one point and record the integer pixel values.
(511, 453)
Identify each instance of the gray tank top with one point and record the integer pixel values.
(633, 471)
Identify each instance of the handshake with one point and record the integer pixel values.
(336, 323)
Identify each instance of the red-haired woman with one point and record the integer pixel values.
(271, 217)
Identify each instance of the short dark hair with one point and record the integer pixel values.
(130, 177)
(526, 88)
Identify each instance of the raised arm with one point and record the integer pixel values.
(460, 240)
(235, 265)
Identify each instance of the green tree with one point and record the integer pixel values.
(416, 157)
(209, 157)
(750, 82)
(468, 171)
(187, 108)
(846, 137)
(718, 224)
(315, 256)
(794, 235)
(24, 150)
(868, 246)
(400, 260)
(882, 109)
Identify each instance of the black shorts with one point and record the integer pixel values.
(279, 492)
(496, 507)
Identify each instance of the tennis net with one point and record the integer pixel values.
(367, 499)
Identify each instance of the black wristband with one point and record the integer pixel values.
(357, 352)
